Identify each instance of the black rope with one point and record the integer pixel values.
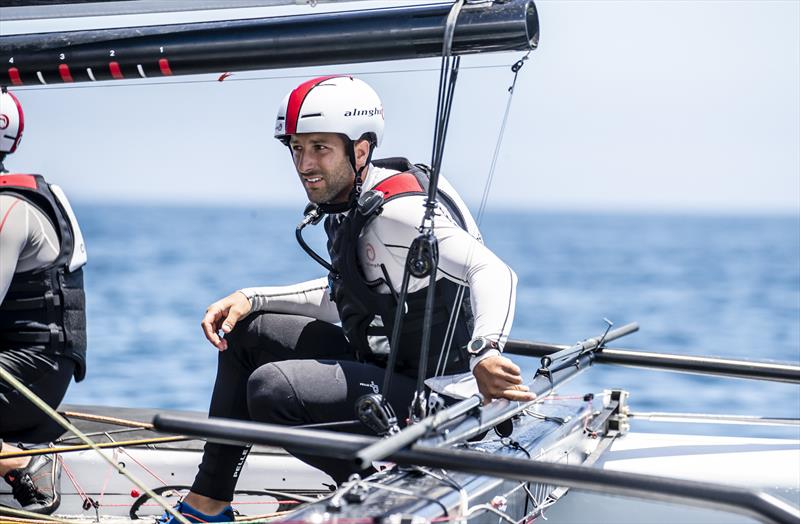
(427, 242)
(395, 341)
(422, 256)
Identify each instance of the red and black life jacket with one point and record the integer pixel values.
(45, 309)
(367, 315)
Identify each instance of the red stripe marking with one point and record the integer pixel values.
(21, 125)
(116, 72)
(398, 184)
(27, 181)
(3, 222)
(63, 70)
(163, 64)
(297, 98)
(13, 74)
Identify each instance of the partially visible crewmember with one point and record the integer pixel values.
(42, 312)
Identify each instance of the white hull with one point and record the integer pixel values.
(763, 464)
(115, 493)
(771, 465)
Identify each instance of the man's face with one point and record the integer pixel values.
(323, 166)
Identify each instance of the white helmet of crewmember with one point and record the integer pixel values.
(332, 104)
(12, 122)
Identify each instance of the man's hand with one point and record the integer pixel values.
(224, 314)
(498, 377)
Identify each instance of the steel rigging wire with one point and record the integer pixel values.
(455, 311)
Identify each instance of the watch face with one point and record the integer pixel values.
(476, 345)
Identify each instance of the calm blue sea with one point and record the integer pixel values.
(705, 285)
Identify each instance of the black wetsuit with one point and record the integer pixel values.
(289, 363)
(290, 370)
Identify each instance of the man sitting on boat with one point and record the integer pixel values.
(42, 314)
(284, 359)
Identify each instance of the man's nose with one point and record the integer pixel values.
(305, 163)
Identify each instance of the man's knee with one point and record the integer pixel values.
(275, 332)
(246, 333)
(272, 398)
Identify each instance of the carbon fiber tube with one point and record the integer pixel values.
(730, 498)
(725, 367)
(489, 415)
(266, 43)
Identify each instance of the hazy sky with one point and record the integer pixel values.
(678, 105)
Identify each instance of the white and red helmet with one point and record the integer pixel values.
(332, 104)
(12, 122)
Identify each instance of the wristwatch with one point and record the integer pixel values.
(480, 345)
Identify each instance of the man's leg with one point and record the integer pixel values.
(47, 376)
(257, 340)
(7, 465)
(295, 392)
(34, 481)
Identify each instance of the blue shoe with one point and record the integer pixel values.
(192, 515)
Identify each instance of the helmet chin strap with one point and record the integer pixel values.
(355, 193)
(357, 181)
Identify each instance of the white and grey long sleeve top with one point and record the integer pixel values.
(463, 258)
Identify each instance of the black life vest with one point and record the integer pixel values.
(367, 315)
(45, 309)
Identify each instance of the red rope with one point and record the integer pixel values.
(237, 503)
(143, 466)
(82, 494)
(105, 484)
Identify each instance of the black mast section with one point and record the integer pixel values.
(267, 43)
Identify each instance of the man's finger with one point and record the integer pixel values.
(208, 328)
(209, 325)
(500, 386)
(511, 379)
(511, 368)
(230, 321)
(515, 394)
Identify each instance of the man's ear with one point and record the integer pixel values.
(362, 152)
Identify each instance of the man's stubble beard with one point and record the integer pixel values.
(339, 184)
